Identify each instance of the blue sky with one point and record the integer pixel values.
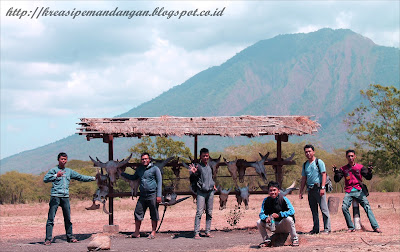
(55, 70)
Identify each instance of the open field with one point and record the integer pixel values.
(22, 227)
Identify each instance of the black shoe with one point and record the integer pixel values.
(312, 232)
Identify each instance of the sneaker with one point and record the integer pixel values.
(351, 230)
(295, 243)
(326, 232)
(312, 232)
(377, 230)
(47, 243)
(266, 243)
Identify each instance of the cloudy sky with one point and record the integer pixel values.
(57, 69)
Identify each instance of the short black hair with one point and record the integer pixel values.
(308, 146)
(204, 150)
(348, 151)
(273, 184)
(62, 154)
(145, 153)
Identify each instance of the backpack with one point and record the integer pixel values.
(328, 183)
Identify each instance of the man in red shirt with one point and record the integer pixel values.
(353, 173)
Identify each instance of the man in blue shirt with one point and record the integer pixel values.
(277, 215)
(61, 176)
(150, 194)
(314, 175)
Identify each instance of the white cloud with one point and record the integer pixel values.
(62, 69)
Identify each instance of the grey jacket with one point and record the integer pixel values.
(150, 179)
(60, 186)
(205, 182)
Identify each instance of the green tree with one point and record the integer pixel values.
(164, 147)
(376, 126)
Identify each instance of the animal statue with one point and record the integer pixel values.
(223, 197)
(257, 165)
(160, 163)
(176, 167)
(283, 192)
(279, 172)
(232, 168)
(242, 194)
(214, 164)
(112, 167)
(101, 193)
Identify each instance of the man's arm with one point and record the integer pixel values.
(262, 215)
(302, 185)
(50, 176)
(159, 184)
(75, 175)
(323, 182)
(338, 174)
(367, 172)
(290, 210)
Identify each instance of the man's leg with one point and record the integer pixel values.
(262, 228)
(200, 200)
(153, 207)
(312, 201)
(286, 225)
(209, 209)
(53, 205)
(325, 212)
(139, 215)
(362, 199)
(65, 206)
(347, 200)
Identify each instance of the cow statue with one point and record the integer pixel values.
(232, 168)
(242, 194)
(160, 163)
(101, 193)
(112, 167)
(223, 197)
(278, 169)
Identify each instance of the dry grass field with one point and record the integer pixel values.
(23, 226)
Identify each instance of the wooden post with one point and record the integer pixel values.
(279, 170)
(195, 147)
(109, 139)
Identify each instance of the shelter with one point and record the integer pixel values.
(228, 126)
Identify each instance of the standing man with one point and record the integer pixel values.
(277, 215)
(61, 176)
(150, 193)
(205, 189)
(314, 175)
(353, 174)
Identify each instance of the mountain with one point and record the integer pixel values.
(319, 73)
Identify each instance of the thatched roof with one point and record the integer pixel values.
(231, 126)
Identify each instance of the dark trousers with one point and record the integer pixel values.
(54, 203)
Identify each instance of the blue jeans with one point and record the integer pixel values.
(360, 197)
(54, 203)
(204, 200)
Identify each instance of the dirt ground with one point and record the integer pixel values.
(22, 227)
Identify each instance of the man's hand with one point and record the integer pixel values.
(370, 167)
(275, 215)
(193, 168)
(300, 195)
(334, 168)
(322, 192)
(60, 173)
(158, 200)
